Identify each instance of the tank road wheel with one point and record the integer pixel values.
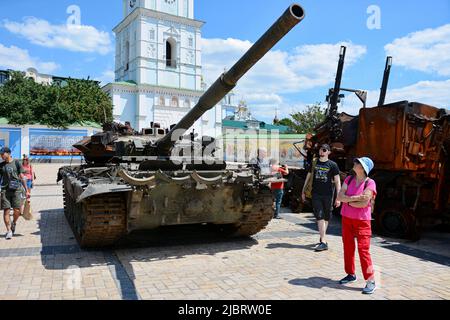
(258, 218)
(397, 222)
(99, 222)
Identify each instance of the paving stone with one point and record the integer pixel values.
(277, 264)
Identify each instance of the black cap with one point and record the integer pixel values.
(5, 150)
(325, 146)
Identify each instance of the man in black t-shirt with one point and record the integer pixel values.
(325, 178)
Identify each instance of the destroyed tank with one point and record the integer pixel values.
(142, 181)
(409, 143)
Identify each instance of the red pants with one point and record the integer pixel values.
(362, 231)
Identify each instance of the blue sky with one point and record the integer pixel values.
(298, 71)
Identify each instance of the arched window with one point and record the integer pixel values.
(127, 55)
(187, 103)
(174, 102)
(171, 57)
(162, 101)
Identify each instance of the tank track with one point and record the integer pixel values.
(99, 221)
(258, 218)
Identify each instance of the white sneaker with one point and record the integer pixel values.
(370, 287)
(9, 235)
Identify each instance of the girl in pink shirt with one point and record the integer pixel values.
(29, 173)
(356, 195)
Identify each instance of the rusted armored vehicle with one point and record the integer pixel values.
(410, 145)
(142, 181)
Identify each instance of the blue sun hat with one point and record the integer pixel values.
(366, 163)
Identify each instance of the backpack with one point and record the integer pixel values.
(15, 185)
(372, 201)
(308, 189)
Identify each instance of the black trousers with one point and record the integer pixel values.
(322, 206)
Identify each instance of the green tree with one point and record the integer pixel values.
(305, 121)
(22, 101)
(288, 123)
(86, 101)
(17, 98)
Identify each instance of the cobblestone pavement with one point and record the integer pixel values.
(43, 261)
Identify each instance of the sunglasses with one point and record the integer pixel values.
(324, 150)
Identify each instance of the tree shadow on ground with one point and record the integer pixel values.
(60, 250)
(320, 283)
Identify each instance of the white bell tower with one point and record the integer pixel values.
(158, 43)
(182, 8)
(158, 66)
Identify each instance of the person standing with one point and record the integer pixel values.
(261, 163)
(29, 173)
(13, 180)
(325, 175)
(356, 195)
(278, 187)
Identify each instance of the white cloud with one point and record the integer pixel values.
(317, 64)
(78, 38)
(19, 59)
(106, 77)
(434, 93)
(278, 73)
(427, 50)
(266, 98)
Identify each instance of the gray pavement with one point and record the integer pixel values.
(45, 262)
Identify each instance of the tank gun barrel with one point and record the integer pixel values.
(228, 80)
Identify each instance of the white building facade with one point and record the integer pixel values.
(158, 66)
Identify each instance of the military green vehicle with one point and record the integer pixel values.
(141, 181)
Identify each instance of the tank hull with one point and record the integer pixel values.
(100, 214)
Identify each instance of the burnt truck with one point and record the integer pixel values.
(409, 143)
(165, 177)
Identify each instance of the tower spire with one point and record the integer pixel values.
(276, 120)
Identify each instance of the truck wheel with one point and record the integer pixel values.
(398, 222)
(391, 222)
